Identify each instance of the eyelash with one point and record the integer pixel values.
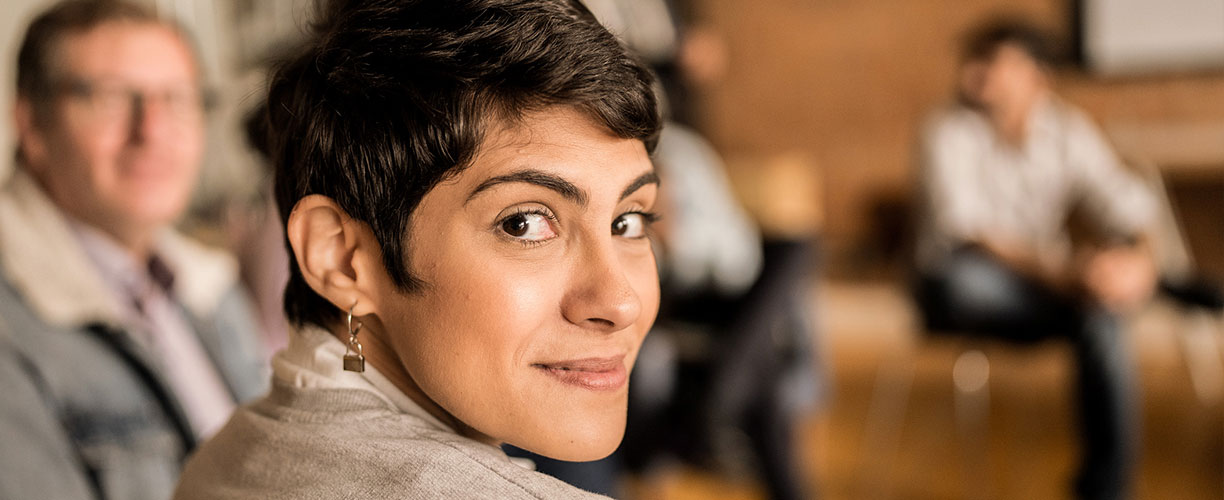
(649, 217)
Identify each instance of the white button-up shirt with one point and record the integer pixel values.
(978, 187)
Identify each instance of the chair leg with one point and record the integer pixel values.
(885, 419)
(971, 377)
(1221, 329)
(1201, 350)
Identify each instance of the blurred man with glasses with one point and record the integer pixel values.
(122, 343)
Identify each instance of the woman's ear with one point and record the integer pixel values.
(338, 256)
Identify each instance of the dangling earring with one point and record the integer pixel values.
(354, 361)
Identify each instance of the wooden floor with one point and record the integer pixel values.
(1023, 449)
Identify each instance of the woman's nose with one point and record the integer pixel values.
(600, 296)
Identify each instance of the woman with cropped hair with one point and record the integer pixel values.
(467, 194)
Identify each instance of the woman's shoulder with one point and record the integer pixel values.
(360, 449)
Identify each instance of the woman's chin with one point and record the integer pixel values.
(584, 445)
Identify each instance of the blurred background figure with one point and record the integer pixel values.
(249, 226)
(731, 368)
(1002, 171)
(122, 342)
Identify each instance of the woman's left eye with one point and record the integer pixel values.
(632, 224)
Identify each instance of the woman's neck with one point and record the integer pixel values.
(382, 357)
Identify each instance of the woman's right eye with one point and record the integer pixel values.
(529, 227)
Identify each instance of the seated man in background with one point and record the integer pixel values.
(1003, 171)
(122, 343)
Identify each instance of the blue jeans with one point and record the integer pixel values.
(970, 292)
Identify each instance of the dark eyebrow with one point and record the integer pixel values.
(647, 178)
(543, 179)
(563, 187)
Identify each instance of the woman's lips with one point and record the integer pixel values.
(597, 374)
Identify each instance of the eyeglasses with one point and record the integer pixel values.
(116, 103)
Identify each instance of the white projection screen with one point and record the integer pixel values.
(1131, 37)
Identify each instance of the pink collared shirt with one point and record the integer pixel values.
(156, 321)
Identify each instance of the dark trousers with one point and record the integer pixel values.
(972, 293)
(759, 372)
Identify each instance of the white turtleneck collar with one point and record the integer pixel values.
(314, 360)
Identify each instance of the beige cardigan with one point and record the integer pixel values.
(325, 433)
(337, 443)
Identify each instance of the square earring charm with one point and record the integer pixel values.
(354, 362)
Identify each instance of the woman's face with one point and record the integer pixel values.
(540, 286)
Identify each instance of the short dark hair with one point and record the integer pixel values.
(982, 42)
(389, 97)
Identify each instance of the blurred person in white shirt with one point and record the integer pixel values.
(1002, 172)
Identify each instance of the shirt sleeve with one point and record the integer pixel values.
(949, 195)
(1113, 196)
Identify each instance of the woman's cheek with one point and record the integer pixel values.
(524, 301)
